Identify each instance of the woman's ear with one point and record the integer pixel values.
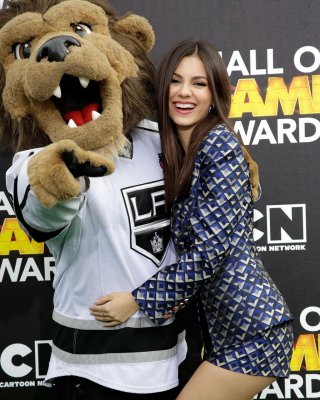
(138, 27)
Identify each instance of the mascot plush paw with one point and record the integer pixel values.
(68, 162)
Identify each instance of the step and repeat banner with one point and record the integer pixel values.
(272, 52)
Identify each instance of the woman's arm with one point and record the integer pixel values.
(221, 198)
(218, 200)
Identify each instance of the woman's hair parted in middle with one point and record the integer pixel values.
(178, 167)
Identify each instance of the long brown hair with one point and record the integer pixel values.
(178, 166)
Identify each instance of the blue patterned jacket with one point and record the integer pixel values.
(213, 234)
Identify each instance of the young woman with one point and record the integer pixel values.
(245, 322)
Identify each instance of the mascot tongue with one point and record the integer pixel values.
(81, 117)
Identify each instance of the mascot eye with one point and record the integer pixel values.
(22, 50)
(81, 29)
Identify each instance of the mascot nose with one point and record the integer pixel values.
(56, 48)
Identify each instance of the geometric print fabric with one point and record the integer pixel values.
(266, 354)
(212, 230)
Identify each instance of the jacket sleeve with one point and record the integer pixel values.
(219, 196)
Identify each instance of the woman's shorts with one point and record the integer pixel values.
(265, 354)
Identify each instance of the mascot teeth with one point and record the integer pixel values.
(95, 115)
(57, 92)
(84, 82)
(72, 124)
(77, 99)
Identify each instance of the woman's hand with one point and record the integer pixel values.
(114, 308)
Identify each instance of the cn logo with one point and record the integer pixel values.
(285, 223)
(18, 360)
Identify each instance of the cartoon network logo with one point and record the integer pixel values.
(21, 361)
(24, 366)
(282, 227)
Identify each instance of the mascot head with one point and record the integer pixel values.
(73, 69)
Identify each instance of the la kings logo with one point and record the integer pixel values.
(149, 227)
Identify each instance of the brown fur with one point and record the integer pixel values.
(21, 129)
(57, 183)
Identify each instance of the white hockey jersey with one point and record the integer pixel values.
(111, 238)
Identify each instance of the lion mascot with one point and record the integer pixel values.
(77, 103)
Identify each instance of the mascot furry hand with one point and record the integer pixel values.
(71, 78)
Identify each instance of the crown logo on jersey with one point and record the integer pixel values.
(157, 243)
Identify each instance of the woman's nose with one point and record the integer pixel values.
(185, 90)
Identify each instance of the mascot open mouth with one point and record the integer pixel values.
(78, 100)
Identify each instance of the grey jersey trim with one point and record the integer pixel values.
(94, 325)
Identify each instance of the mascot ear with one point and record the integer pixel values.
(138, 27)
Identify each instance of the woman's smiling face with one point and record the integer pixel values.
(189, 94)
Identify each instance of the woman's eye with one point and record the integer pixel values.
(22, 50)
(174, 80)
(81, 29)
(202, 84)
